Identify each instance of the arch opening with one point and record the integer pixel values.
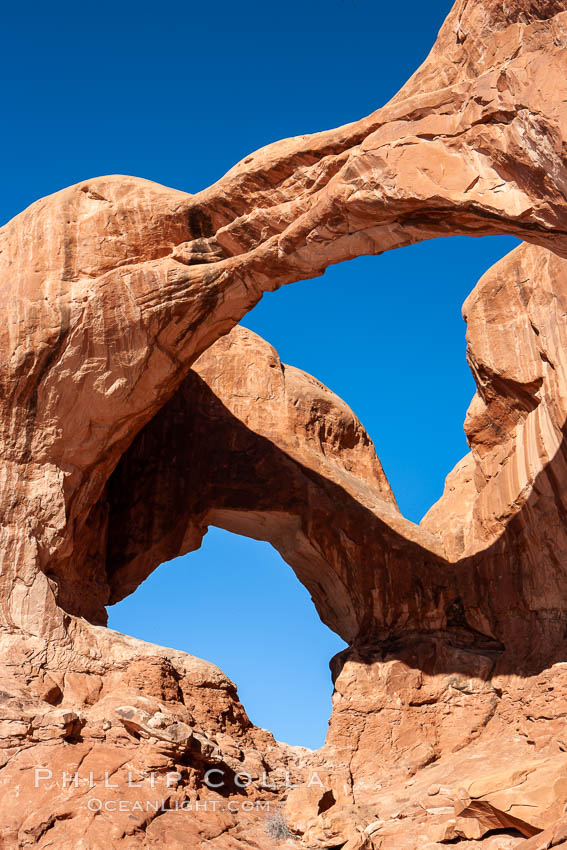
(387, 335)
(235, 603)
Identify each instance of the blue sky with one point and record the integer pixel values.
(177, 93)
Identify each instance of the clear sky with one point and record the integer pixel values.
(177, 93)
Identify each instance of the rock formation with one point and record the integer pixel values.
(135, 412)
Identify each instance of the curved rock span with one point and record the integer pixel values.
(136, 412)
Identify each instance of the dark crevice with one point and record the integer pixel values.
(52, 822)
(510, 833)
(326, 802)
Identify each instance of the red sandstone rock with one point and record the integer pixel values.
(134, 413)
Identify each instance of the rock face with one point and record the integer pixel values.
(135, 412)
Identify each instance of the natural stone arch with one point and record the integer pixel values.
(115, 287)
(130, 281)
(264, 450)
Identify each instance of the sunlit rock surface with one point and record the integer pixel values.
(135, 412)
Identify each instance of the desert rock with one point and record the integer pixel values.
(135, 412)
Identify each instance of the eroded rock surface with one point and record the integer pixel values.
(135, 412)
